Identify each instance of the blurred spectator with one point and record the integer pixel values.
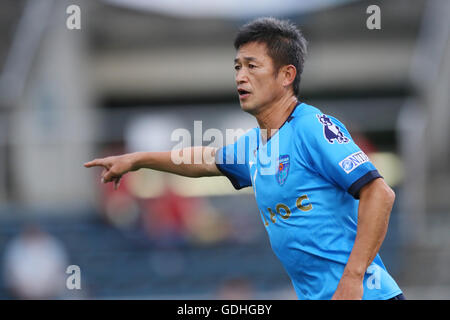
(173, 219)
(165, 217)
(35, 265)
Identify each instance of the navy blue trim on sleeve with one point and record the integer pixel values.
(233, 181)
(361, 182)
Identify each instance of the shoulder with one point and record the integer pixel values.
(306, 118)
(251, 132)
(239, 143)
(249, 138)
(311, 123)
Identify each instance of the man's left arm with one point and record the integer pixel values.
(375, 205)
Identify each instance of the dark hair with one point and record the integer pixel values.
(285, 43)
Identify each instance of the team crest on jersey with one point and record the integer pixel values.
(283, 169)
(331, 131)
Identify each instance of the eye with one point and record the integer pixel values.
(237, 67)
(251, 66)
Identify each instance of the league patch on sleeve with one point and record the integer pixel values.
(353, 161)
(331, 131)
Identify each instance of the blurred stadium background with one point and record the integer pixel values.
(136, 71)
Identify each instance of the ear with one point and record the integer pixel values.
(288, 74)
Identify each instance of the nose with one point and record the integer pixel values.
(241, 77)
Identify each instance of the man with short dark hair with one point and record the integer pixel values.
(323, 203)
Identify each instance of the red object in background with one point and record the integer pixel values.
(167, 214)
(364, 143)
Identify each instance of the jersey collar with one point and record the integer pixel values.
(289, 118)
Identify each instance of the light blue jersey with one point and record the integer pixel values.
(306, 181)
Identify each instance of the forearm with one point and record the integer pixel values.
(373, 218)
(189, 162)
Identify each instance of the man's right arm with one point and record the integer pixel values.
(188, 162)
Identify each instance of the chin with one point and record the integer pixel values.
(247, 107)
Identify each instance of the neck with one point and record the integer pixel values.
(273, 117)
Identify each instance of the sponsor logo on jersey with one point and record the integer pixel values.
(353, 161)
(283, 169)
(331, 131)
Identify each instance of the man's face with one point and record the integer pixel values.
(256, 79)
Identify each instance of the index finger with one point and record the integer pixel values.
(93, 163)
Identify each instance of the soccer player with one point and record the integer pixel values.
(324, 205)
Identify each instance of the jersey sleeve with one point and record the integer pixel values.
(329, 150)
(232, 161)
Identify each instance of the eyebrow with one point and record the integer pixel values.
(247, 59)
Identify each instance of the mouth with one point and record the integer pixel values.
(243, 94)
